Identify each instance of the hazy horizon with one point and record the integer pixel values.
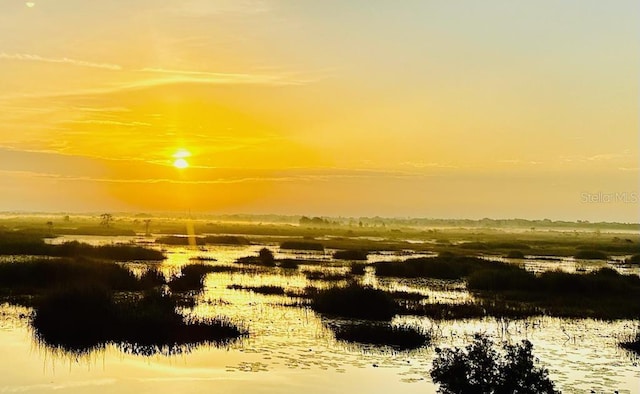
(420, 109)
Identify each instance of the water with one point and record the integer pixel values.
(290, 349)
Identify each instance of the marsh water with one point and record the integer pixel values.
(291, 350)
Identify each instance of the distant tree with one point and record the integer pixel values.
(147, 223)
(50, 227)
(106, 219)
(266, 256)
(481, 369)
(66, 218)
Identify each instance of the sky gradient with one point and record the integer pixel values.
(415, 108)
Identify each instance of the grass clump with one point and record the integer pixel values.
(32, 277)
(37, 247)
(191, 277)
(226, 240)
(264, 258)
(84, 318)
(265, 289)
(590, 255)
(355, 301)
(515, 254)
(600, 294)
(288, 264)
(445, 266)
(350, 255)
(635, 259)
(302, 245)
(633, 343)
(357, 268)
(399, 337)
(326, 276)
(479, 368)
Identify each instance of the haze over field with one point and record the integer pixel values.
(420, 108)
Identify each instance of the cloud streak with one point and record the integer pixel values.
(61, 60)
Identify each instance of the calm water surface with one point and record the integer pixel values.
(290, 349)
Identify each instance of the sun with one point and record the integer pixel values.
(180, 161)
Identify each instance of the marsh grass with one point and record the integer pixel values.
(444, 266)
(37, 247)
(603, 294)
(355, 301)
(590, 255)
(357, 268)
(192, 276)
(401, 337)
(633, 342)
(302, 245)
(350, 255)
(326, 276)
(32, 277)
(83, 318)
(265, 289)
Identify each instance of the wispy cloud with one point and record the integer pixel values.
(61, 60)
(111, 123)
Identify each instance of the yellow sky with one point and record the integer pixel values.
(420, 108)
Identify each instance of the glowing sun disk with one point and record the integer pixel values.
(180, 163)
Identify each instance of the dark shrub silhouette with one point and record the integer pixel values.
(481, 369)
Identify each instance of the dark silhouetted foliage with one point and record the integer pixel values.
(356, 301)
(265, 289)
(481, 369)
(302, 245)
(398, 337)
(288, 264)
(266, 257)
(446, 266)
(515, 254)
(192, 277)
(635, 259)
(357, 268)
(84, 318)
(590, 255)
(350, 255)
(34, 276)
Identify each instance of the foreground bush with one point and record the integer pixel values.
(356, 301)
(481, 369)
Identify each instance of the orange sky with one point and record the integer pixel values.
(420, 108)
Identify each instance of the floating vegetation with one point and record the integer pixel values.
(444, 266)
(399, 337)
(302, 245)
(326, 276)
(84, 318)
(590, 255)
(37, 247)
(266, 290)
(355, 301)
(191, 276)
(350, 255)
